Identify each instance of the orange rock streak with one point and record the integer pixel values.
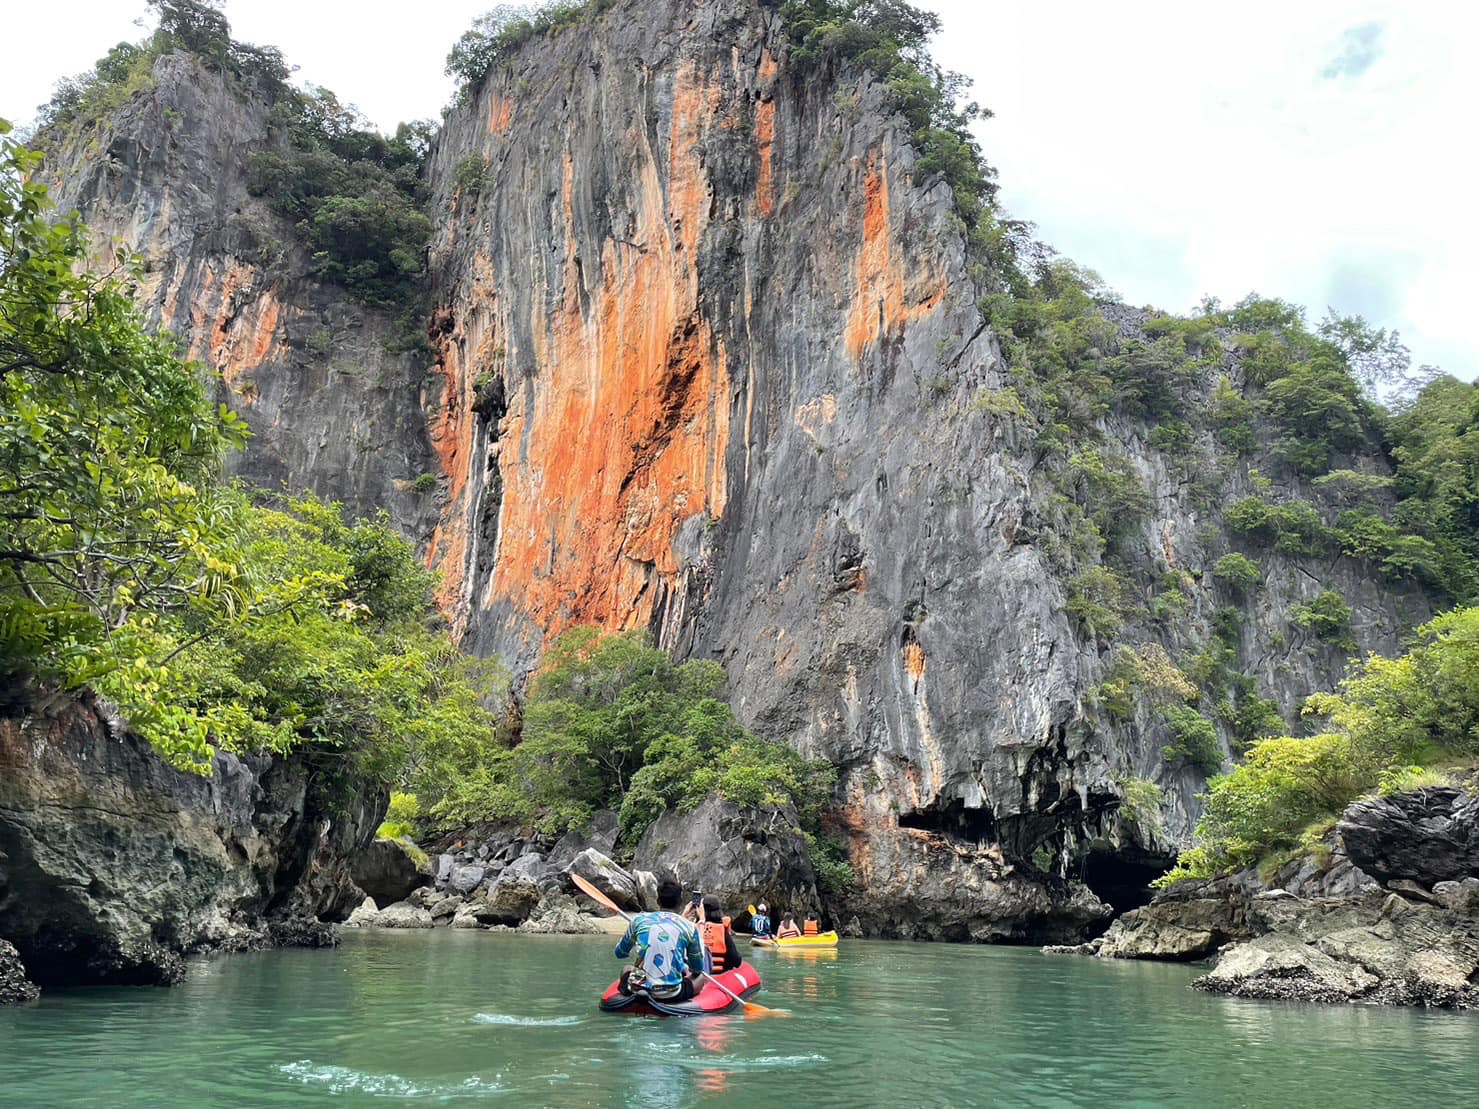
(882, 299)
(625, 436)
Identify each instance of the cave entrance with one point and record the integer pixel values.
(953, 819)
(1121, 879)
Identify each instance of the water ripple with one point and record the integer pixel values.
(344, 1080)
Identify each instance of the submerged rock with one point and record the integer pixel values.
(115, 865)
(15, 987)
(389, 869)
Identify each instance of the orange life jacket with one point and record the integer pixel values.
(714, 938)
(786, 931)
(809, 928)
(715, 941)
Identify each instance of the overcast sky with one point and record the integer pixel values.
(1318, 150)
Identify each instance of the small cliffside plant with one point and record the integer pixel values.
(1193, 739)
(1239, 572)
(1328, 616)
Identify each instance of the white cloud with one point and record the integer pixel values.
(1178, 149)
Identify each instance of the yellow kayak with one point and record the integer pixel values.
(822, 939)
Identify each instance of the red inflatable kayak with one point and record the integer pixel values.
(744, 980)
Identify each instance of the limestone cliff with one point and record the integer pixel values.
(331, 406)
(113, 865)
(709, 361)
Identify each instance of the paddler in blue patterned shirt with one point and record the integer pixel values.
(669, 951)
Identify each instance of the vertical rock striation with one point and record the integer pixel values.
(709, 361)
(331, 407)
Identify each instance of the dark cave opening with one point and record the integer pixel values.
(1121, 879)
(952, 819)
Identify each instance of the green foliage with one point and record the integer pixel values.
(1140, 803)
(1318, 409)
(401, 818)
(1099, 600)
(1294, 527)
(1238, 572)
(891, 38)
(424, 483)
(1232, 417)
(354, 195)
(1146, 669)
(496, 35)
(1265, 803)
(612, 721)
(1247, 715)
(1419, 707)
(470, 177)
(108, 448)
(829, 859)
(1328, 616)
(1435, 443)
(214, 621)
(1193, 739)
(1389, 718)
(1109, 487)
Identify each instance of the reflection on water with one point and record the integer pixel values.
(459, 1018)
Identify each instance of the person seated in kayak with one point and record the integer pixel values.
(669, 950)
(760, 923)
(812, 927)
(719, 937)
(788, 928)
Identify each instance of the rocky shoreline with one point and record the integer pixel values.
(1386, 912)
(114, 867)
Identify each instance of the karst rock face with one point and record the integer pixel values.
(708, 361)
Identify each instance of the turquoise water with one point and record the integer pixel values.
(478, 1018)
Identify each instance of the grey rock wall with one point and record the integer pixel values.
(113, 865)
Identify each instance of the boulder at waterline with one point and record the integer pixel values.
(117, 865)
(612, 880)
(364, 915)
(740, 854)
(389, 869)
(15, 987)
(511, 899)
(557, 914)
(402, 915)
(1423, 835)
(1374, 949)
